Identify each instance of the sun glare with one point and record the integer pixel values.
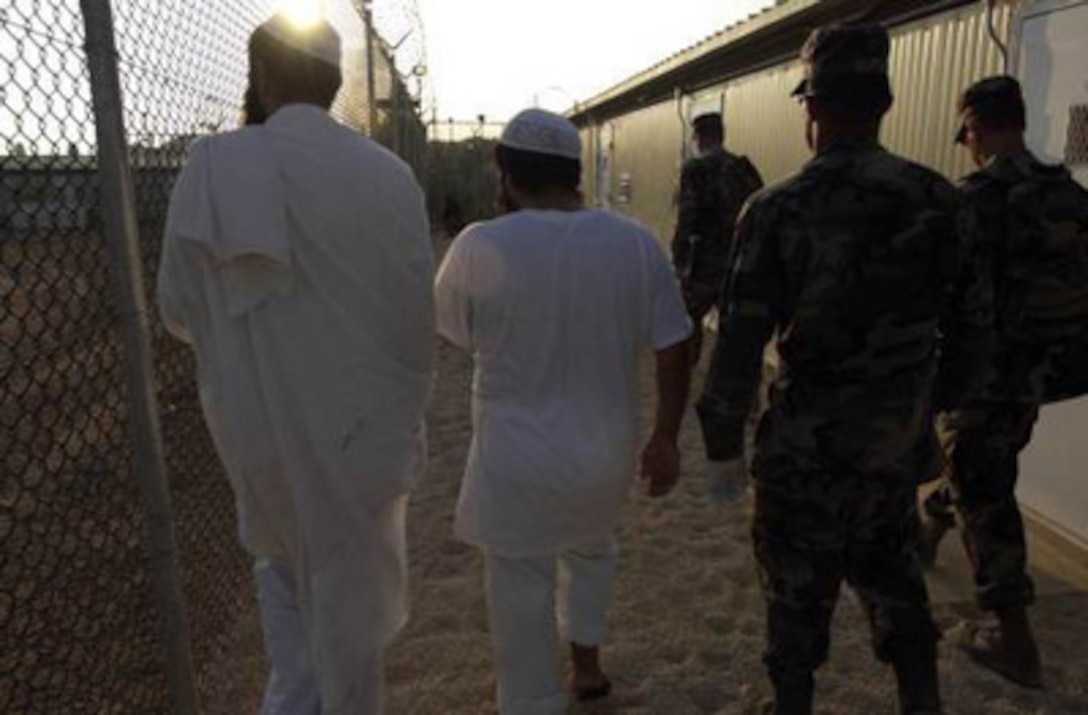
(302, 12)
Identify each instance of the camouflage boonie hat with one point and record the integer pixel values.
(842, 61)
(708, 123)
(994, 100)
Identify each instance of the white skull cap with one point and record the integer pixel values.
(543, 132)
(318, 39)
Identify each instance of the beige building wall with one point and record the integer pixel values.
(763, 122)
(932, 61)
(646, 157)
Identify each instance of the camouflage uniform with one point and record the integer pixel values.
(982, 441)
(858, 264)
(713, 188)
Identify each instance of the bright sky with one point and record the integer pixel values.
(489, 57)
(495, 57)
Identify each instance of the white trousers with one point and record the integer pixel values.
(292, 688)
(525, 620)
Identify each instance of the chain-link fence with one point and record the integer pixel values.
(79, 622)
(462, 179)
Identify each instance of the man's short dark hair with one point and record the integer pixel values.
(709, 127)
(297, 75)
(534, 173)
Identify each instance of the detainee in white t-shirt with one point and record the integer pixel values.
(558, 305)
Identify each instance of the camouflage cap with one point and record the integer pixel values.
(705, 114)
(708, 123)
(705, 106)
(840, 60)
(995, 101)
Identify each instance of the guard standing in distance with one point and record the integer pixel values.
(714, 184)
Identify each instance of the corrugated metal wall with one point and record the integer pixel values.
(765, 123)
(932, 60)
(645, 172)
(590, 139)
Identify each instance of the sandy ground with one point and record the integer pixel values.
(686, 628)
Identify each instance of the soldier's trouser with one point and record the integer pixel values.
(699, 299)
(813, 531)
(985, 449)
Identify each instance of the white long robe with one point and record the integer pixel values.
(297, 262)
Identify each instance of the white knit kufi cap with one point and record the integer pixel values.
(318, 39)
(543, 132)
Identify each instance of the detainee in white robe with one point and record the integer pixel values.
(298, 264)
(558, 308)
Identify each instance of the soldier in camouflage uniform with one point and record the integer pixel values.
(1031, 222)
(858, 265)
(713, 187)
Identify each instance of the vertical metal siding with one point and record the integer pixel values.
(590, 137)
(932, 60)
(765, 123)
(647, 148)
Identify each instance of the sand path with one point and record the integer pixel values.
(686, 629)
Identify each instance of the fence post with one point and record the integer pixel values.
(394, 100)
(119, 214)
(371, 99)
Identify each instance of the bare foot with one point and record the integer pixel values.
(588, 682)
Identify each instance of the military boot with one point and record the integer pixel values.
(916, 679)
(792, 696)
(1006, 647)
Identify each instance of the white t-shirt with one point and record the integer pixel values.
(558, 308)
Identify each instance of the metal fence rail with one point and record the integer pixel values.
(79, 616)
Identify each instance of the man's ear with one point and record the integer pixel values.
(507, 193)
(261, 85)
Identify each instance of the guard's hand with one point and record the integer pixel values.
(728, 481)
(661, 465)
(699, 299)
